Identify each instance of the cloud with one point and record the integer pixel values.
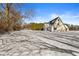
(37, 19)
(69, 18)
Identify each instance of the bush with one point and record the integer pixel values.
(34, 26)
(3, 25)
(17, 27)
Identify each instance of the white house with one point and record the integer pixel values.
(56, 25)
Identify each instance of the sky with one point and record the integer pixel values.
(45, 12)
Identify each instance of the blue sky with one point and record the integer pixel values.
(44, 12)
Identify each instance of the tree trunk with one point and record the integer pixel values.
(7, 9)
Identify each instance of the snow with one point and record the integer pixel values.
(39, 43)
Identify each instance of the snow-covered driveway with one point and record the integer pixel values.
(39, 43)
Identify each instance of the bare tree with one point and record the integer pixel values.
(29, 14)
(11, 15)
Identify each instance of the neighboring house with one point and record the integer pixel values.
(56, 25)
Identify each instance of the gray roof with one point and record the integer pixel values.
(53, 21)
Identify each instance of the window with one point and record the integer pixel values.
(58, 24)
(54, 28)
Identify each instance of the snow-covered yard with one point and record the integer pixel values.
(39, 43)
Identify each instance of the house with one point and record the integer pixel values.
(56, 25)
